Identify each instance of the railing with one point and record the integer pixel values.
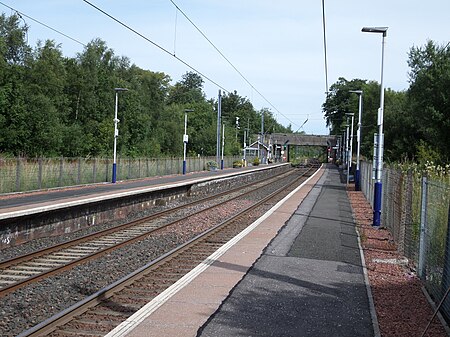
(415, 208)
(21, 174)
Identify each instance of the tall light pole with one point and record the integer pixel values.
(219, 116)
(116, 134)
(347, 148)
(350, 148)
(223, 146)
(379, 160)
(358, 139)
(185, 138)
(344, 148)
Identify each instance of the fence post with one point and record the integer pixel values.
(139, 170)
(79, 171)
(446, 271)
(423, 220)
(94, 171)
(39, 173)
(18, 175)
(61, 165)
(107, 169)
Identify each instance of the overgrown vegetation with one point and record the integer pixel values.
(416, 121)
(52, 105)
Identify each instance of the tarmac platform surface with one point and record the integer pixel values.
(298, 271)
(35, 202)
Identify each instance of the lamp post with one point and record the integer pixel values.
(379, 160)
(350, 147)
(185, 138)
(219, 116)
(223, 146)
(346, 147)
(358, 139)
(116, 134)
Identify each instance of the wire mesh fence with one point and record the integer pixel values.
(415, 208)
(434, 264)
(24, 174)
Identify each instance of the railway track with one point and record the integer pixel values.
(102, 311)
(26, 269)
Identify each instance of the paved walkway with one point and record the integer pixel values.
(57, 194)
(307, 280)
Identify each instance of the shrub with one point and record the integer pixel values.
(237, 164)
(211, 165)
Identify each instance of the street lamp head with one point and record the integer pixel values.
(382, 30)
(188, 110)
(359, 92)
(120, 89)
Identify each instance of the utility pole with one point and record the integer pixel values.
(219, 116)
(223, 146)
(245, 145)
(262, 132)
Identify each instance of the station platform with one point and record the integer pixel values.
(35, 202)
(297, 271)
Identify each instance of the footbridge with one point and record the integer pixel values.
(287, 145)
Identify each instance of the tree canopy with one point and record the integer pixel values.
(416, 121)
(52, 105)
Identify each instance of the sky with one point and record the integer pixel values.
(276, 45)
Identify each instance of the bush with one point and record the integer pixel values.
(237, 164)
(256, 161)
(211, 165)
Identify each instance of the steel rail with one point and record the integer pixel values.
(90, 256)
(65, 316)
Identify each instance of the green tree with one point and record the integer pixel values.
(46, 100)
(52, 105)
(14, 54)
(340, 101)
(202, 129)
(146, 105)
(188, 90)
(234, 105)
(95, 99)
(429, 97)
(170, 130)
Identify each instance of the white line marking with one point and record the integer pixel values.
(134, 320)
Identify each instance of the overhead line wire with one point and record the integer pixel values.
(226, 59)
(43, 24)
(156, 45)
(325, 46)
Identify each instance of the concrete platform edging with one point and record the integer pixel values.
(42, 215)
(373, 313)
(27, 210)
(133, 321)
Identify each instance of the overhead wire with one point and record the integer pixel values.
(156, 45)
(325, 46)
(43, 24)
(226, 59)
(160, 47)
(175, 33)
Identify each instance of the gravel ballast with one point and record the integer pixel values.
(30, 305)
(401, 306)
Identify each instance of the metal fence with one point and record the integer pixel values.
(415, 208)
(21, 174)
